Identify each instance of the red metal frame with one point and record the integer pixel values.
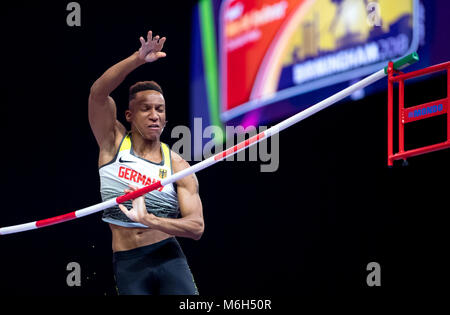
(422, 111)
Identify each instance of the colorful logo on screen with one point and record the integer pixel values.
(296, 46)
(434, 109)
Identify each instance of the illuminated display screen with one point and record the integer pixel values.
(260, 61)
(272, 49)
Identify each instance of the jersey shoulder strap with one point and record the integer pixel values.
(126, 143)
(166, 156)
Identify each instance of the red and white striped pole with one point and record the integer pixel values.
(203, 164)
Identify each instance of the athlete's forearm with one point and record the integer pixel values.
(182, 227)
(115, 75)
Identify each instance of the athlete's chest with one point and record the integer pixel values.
(128, 168)
(133, 170)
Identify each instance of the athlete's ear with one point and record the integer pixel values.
(128, 115)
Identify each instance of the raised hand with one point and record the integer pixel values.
(151, 49)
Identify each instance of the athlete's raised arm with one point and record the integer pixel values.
(102, 108)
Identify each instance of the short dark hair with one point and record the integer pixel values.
(143, 86)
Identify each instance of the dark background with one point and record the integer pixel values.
(309, 229)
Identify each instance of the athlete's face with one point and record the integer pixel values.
(147, 113)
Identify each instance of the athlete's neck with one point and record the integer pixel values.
(145, 148)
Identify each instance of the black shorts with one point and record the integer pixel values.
(158, 269)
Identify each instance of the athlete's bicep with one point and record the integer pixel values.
(189, 197)
(187, 191)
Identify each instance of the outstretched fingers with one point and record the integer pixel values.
(160, 43)
(149, 36)
(156, 39)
